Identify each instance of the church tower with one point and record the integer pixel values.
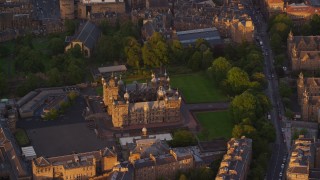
(110, 92)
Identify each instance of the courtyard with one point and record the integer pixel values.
(215, 124)
(197, 88)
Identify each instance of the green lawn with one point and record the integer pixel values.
(217, 124)
(22, 137)
(197, 88)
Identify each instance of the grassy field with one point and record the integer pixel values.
(197, 88)
(22, 137)
(217, 124)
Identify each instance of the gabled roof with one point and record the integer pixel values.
(89, 34)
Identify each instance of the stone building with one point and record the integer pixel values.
(141, 103)
(299, 13)
(232, 22)
(11, 164)
(236, 163)
(152, 158)
(76, 166)
(304, 160)
(85, 8)
(304, 52)
(309, 97)
(67, 9)
(273, 7)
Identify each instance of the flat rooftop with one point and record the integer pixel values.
(210, 34)
(65, 139)
(68, 133)
(110, 69)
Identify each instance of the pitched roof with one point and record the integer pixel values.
(41, 161)
(89, 34)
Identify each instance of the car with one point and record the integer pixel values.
(284, 159)
(282, 166)
(282, 129)
(280, 174)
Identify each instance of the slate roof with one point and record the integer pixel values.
(89, 34)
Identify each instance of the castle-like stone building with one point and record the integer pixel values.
(309, 97)
(141, 103)
(304, 52)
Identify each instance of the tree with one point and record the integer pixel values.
(276, 42)
(56, 46)
(51, 115)
(315, 25)
(243, 130)
(183, 177)
(155, 51)
(285, 90)
(133, 53)
(219, 69)
(243, 106)
(260, 77)
(75, 51)
(177, 53)
(252, 62)
(207, 58)
(70, 26)
(4, 51)
(267, 131)
(54, 77)
(237, 80)
(3, 84)
(195, 61)
(182, 138)
(74, 73)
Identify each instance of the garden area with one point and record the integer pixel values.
(22, 137)
(214, 124)
(197, 88)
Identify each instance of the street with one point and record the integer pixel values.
(277, 162)
(279, 153)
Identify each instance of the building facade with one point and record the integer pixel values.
(304, 160)
(152, 158)
(141, 103)
(232, 22)
(304, 52)
(308, 90)
(236, 163)
(76, 166)
(301, 12)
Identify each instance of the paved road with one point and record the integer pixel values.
(279, 153)
(275, 170)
